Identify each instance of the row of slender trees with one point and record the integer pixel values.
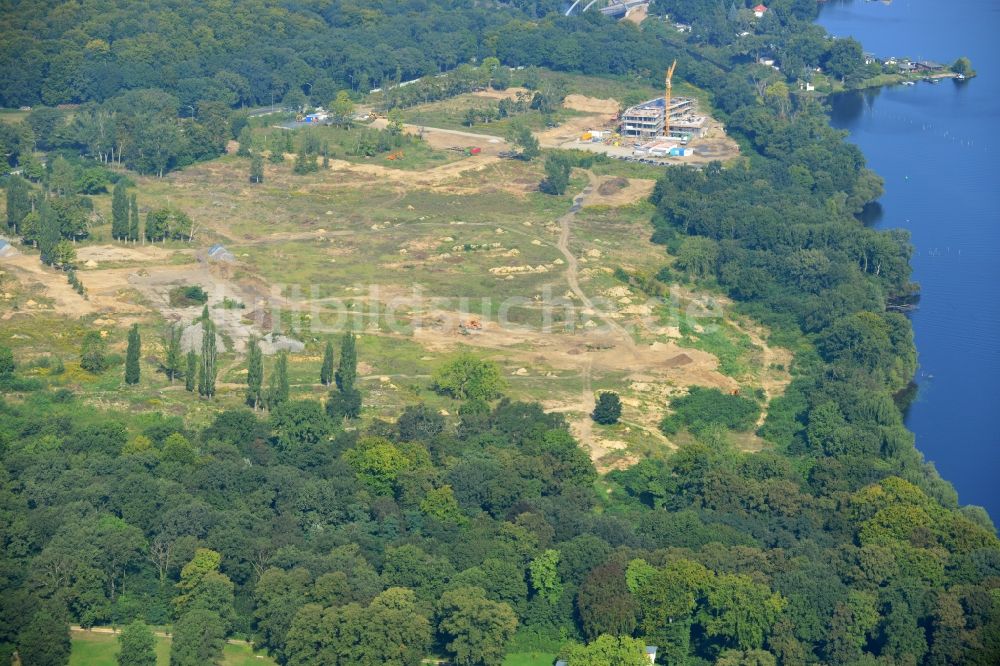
(200, 370)
(124, 214)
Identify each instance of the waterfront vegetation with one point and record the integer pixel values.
(470, 526)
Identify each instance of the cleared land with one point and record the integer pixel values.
(464, 254)
(637, 14)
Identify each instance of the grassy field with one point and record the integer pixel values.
(450, 114)
(623, 90)
(342, 143)
(12, 115)
(390, 246)
(91, 649)
(335, 242)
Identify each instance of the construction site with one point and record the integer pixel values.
(659, 131)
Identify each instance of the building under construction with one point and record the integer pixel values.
(648, 120)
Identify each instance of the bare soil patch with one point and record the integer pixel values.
(591, 104)
(428, 179)
(571, 130)
(27, 269)
(501, 94)
(713, 145)
(137, 253)
(445, 139)
(622, 191)
(637, 14)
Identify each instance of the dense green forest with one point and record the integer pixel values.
(334, 541)
(161, 85)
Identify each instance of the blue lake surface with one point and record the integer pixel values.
(938, 148)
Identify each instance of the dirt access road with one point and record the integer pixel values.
(584, 426)
(114, 631)
(439, 137)
(573, 265)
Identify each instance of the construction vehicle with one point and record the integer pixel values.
(470, 326)
(398, 155)
(666, 100)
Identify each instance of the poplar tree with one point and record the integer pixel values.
(346, 400)
(133, 224)
(246, 142)
(192, 371)
(304, 162)
(255, 373)
(18, 202)
(326, 372)
(172, 364)
(277, 386)
(48, 231)
(93, 353)
(256, 168)
(119, 211)
(207, 366)
(347, 370)
(132, 355)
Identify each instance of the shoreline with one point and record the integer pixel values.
(886, 81)
(923, 399)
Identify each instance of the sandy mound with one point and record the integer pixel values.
(591, 104)
(622, 191)
(609, 187)
(679, 360)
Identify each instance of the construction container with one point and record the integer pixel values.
(475, 151)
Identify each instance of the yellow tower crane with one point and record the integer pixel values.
(666, 100)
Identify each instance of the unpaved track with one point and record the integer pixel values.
(162, 634)
(27, 267)
(583, 428)
(382, 123)
(573, 266)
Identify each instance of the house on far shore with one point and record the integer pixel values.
(759, 11)
(917, 66)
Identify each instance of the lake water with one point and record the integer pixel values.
(938, 148)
